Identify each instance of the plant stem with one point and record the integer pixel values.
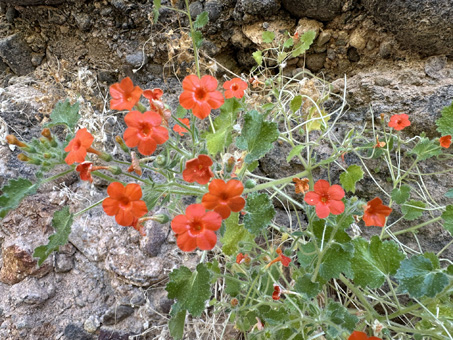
(195, 48)
(88, 208)
(276, 182)
(418, 226)
(50, 179)
(359, 295)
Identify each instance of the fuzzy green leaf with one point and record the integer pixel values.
(197, 38)
(420, 276)
(288, 43)
(402, 194)
(295, 151)
(180, 112)
(304, 43)
(305, 286)
(218, 141)
(177, 320)
(202, 20)
(447, 216)
(258, 56)
(296, 103)
(228, 114)
(449, 193)
(257, 136)
(445, 122)
(232, 287)
(337, 260)
(260, 212)
(425, 149)
(156, 7)
(191, 290)
(14, 192)
(348, 179)
(268, 36)
(340, 316)
(412, 210)
(62, 222)
(234, 233)
(373, 261)
(64, 114)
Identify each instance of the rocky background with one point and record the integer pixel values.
(394, 56)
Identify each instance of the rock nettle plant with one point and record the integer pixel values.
(315, 278)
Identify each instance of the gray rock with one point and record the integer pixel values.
(73, 332)
(435, 65)
(422, 25)
(263, 8)
(32, 2)
(11, 14)
(91, 324)
(136, 59)
(214, 9)
(83, 21)
(63, 263)
(386, 49)
(116, 314)
(107, 334)
(323, 10)
(16, 54)
(137, 300)
(195, 8)
(315, 62)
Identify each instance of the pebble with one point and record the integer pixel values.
(63, 263)
(91, 324)
(116, 314)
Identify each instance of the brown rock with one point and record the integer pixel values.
(18, 263)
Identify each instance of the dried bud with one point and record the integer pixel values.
(234, 302)
(11, 139)
(120, 142)
(250, 183)
(23, 158)
(46, 133)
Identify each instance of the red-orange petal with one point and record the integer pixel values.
(321, 187)
(234, 187)
(180, 224)
(336, 192)
(139, 209)
(236, 204)
(209, 83)
(336, 207)
(206, 240)
(209, 201)
(146, 147)
(133, 119)
(115, 190)
(133, 191)
(110, 206)
(212, 220)
(186, 242)
(322, 210)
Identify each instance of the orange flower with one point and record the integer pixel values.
(145, 131)
(196, 228)
(78, 146)
(301, 185)
(375, 213)
(135, 164)
(153, 94)
(326, 198)
(198, 170)
(124, 95)
(200, 95)
(240, 258)
(179, 129)
(378, 143)
(399, 122)
(356, 335)
(124, 203)
(285, 260)
(86, 168)
(445, 141)
(223, 197)
(235, 88)
(277, 292)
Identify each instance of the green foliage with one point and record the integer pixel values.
(258, 56)
(350, 177)
(425, 149)
(156, 7)
(447, 216)
(288, 43)
(180, 112)
(62, 222)
(64, 114)
(445, 122)
(294, 152)
(234, 232)
(202, 20)
(304, 43)
(268, 36)
(339, 315)
(260, 212)
(197, 38)
(177, 320)
(305, 286)
(449, 193)
(228, 114)
(295, 103)
(14, 192)
(191, 290)
(257, 136)
(373, 261)
(218, 141)
(232, 286)
(413, 210)
(402, 194)
(420, 276)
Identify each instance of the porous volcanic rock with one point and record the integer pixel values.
(323, 10)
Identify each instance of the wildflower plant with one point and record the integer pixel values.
(310, 279)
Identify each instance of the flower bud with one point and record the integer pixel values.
(161, 218)
(11, 139)
(230, 164)
(161, 160)
(47, 155)
(105, 156)
(234, 302)
(120, 142)
(46, 133)
(250, 183)
(115, 170)
(23, 158)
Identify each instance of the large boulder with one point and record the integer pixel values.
(422, 25)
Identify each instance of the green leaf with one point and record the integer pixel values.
(234, 233)
(218, 141)
(257, 136)
(177, 320)
(445, 122)
(447, 216)
(316, 119)
(14, 192)
(197, 38)
(64, 114)
(258, 56)
(402, 194)
(348, 179)
(62, 221)
(191, 290)
(305, 286)
(294, 152)
(337, 260)
(304, 43)
(339, 315)
(202, 20)
(373, 261)
(307, 254)
(425, 149)
(151, 196)
(449, 193)
(228, 114)
(420, 276)
(260, 212)
(281, 57)
(288, 43)
(412, 210)
(180, 112)
(296, 103)
(268, 36)
(156, 7)
(232, 287)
